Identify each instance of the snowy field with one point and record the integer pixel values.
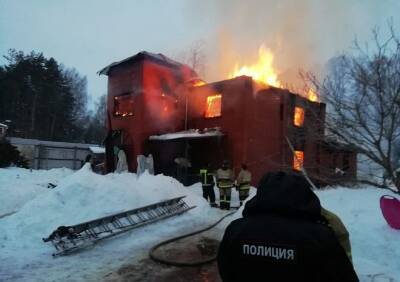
(30, 211)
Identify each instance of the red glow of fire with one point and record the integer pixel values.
(213, 108)
(298, 116)
(123, 106)
(298, 160)
(199, 83)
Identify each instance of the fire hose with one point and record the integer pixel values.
(182, 264)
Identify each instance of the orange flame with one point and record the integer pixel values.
(199, 83)
(298, 160)
(298, 116)
(262, 70)
(213, 106)
(312, 95)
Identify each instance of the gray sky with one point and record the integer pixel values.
(90, 34)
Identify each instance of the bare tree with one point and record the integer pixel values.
(362, 93)
(194, 57)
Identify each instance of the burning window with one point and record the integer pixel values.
(298, 116)
(123, 105)
(213, 106)
(298, 160)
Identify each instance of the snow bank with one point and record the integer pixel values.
(18, 185)
(83, 196)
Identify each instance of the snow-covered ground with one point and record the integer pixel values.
(83, 195)
(18, 186)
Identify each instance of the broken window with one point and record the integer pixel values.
(298, 160)
(213, 107)
(123, 105)
(298, 116)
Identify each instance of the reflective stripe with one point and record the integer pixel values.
(225, 186)
(205, 175)
(225, 183)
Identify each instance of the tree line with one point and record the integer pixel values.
(42, 99)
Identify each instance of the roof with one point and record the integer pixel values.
(160, 58)
(333, 143)
(3, 125)
(35, 142)
(97, 150)
(188, 134)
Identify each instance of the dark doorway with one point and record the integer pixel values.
(113, 139)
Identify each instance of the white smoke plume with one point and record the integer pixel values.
(303, 34)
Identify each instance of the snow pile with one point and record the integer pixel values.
(17, 185)
(84, 196)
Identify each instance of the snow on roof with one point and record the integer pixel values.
(3, 125)
(25, 141)
(97, 149)
(190, 134)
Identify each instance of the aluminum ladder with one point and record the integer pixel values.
(68, 239)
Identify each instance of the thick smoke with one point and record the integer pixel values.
(303, 34)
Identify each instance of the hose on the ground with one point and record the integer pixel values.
(176, 263)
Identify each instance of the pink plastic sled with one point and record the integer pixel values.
(390, 207)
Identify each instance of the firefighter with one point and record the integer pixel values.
(225, 183)
(207, 183)
(243, 183)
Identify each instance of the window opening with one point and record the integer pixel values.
(213, 107)
(123, 105)
(298, 160)
(298, 116)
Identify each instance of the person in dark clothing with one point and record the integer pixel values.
(88, 159)
(243, 183)
(207, 183)
(283, 237)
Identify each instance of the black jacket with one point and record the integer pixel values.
(282, 237)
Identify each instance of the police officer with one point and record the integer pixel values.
(225, 183)
(207, 183)
(243, 183)
(283, 236)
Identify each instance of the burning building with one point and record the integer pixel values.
(158, 106)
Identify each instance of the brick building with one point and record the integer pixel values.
(154, 101)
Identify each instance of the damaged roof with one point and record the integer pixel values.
(159, 58)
